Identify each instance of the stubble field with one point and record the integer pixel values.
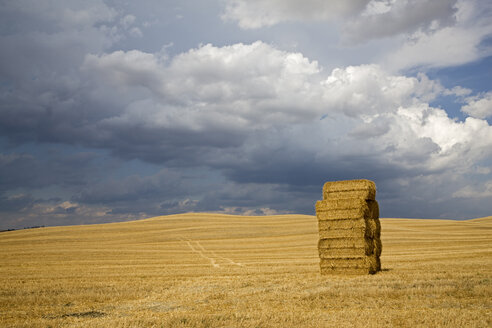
(211, 270)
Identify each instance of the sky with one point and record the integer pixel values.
(114, 110)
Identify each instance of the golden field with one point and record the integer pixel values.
(212, 270)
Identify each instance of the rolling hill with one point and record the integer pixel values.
(213, 270)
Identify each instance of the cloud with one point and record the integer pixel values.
(165, 184)
(201, 95)
(171, 191)
(228, 82)
(214, 106)
(243, 126)
(479, 106)
(360, 20)
(230, 108)
(448, 45)
(301, 126)
(44, 42)
(49, 213)
(484, 190)
(56, 34)
(136, 32)
(258, 13)
(423, 33)
(127, 21)
(24, 170)
(16, 202)
(390, 18)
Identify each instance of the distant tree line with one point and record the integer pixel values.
(33, 227)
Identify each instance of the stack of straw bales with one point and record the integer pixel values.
(349, 228)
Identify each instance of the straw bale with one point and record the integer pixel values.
(352, 214)
(368, 262)
(344, 233)
(344, 185)
(342, 209)
(328, 225)
(327, 253)
(373, 229)
(377, 231)
(362, 189)
(365, 265)
(377, 263)
(349, 228)
(345, 243)
(344, 271)
(374, 208)
(346, 208)
(377, 246)
(374, 224)
(359, 194)
(341, 204)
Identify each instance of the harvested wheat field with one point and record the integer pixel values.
(210, 270)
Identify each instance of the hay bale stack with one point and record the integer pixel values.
(349, 228)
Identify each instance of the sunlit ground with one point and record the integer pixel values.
(210, 270)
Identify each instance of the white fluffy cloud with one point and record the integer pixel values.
(255, 87)
(233, 86)
(479, 106)
(257, 83)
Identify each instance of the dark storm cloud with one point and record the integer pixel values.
(15, 203)
(22, 170)
(173, 145)
(43, 38)
(164, 184)
(298, 169)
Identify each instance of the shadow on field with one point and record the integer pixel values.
(88, 314)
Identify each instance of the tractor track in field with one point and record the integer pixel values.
(209, 255)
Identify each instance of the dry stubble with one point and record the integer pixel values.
(208, 270)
